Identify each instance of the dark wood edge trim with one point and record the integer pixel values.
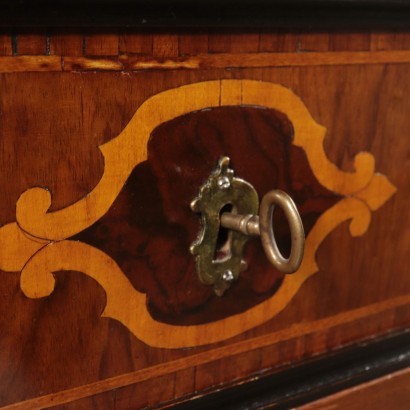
(313, 379)
(291, 14)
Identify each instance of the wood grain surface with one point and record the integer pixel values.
(5, 44)
(153, 251)
(391, 391)
(31, 43)
(200, 41)
(57, 350)
(35, 245)
(127, 63)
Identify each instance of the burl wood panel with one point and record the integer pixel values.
(153, 250)
(61, 344)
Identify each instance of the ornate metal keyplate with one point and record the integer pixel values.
(221, 189)
(220, 261)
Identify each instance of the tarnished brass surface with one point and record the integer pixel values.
(262, 226)
(269, 201)
(222, 189)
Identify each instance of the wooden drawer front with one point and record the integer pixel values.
(101, 156)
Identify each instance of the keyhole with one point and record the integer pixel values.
(223, 241)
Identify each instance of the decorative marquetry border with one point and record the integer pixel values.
(124, 62)
(36, 244)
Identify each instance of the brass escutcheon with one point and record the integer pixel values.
(222, 189)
